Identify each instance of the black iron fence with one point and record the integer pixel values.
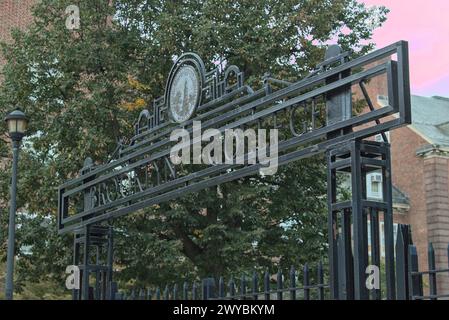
(410, 281)
(308, 283)
(267, 287)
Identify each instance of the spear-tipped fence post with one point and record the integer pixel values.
(432, 273)
(402, 270)
(194, 289)
(280, 286)
(292, 283)
(208, 288)
(243, 287)
(142, 294)
(221, 288)
(185, 291)
(415, 279)
(232, 287)
(167, 293)
(175, 291)
(320, 275)
(306, 282)
(255, 286)
(266, 285)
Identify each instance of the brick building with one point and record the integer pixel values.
(14, 14)
(420, 166)
(420, 161)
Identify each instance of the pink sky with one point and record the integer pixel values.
(425, 25)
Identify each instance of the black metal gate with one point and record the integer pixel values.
(315, 115)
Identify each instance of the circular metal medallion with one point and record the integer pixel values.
(184, 93)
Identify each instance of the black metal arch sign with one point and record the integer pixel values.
(311, 115)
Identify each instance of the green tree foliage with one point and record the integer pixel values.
(84, 88)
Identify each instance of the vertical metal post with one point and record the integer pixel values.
(88, 165)
(104, 285)
(164, 295)
(306, 282)
(110, 260)
(432, 273)
(175, 293)
(194, 293)
(360, 291)
(338, 108)
(113, 291)
(221, 288)
(375, 246)
(293, 283)
(232, 287)
(401, 264)
(266, 285)
(346, 279)
(339, 102)
(208, 288)
(76, 256)
(415, 278)
(9, 282)
(205, 288)
(255, 286)
(185, 290)
(85, 280)
(320, 277)
(331, 228)
(97, 274)
(243, 287)
(388, 223)
(279, 285)
(342, 278)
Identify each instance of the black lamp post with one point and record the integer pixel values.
(17, 124)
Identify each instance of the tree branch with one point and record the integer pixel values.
(190, 248)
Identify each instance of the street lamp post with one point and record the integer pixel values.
(17, 123)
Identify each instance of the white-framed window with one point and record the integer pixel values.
(382, 101)
(374, 186)
(381, 237)
(379, 138)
